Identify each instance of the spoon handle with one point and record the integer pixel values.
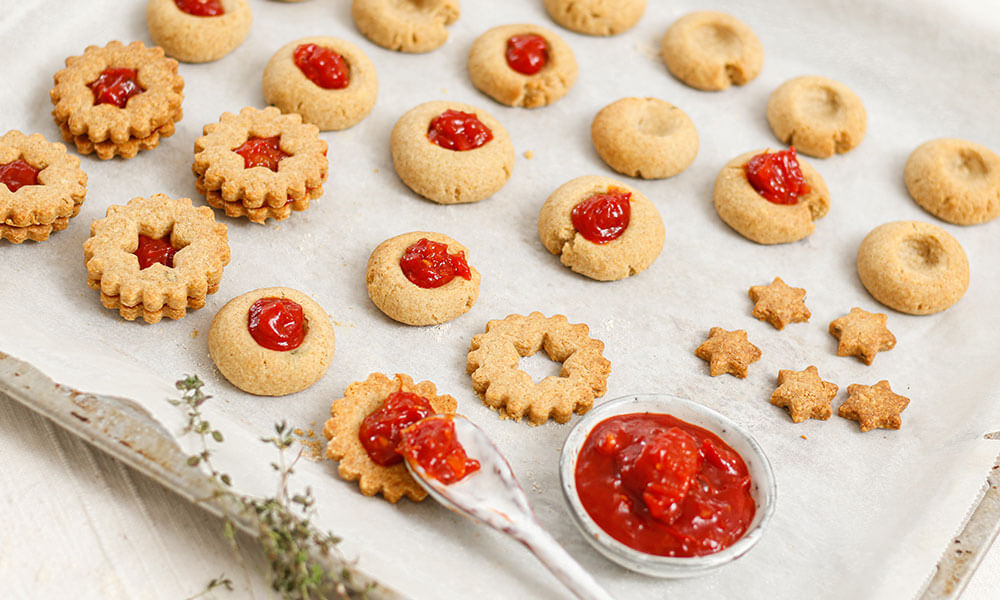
(559, 562)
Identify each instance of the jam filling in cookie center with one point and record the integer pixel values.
(527, 53)
(777, 177)
(456, 130)
(201, 8)
(602, 218)
(427, 264)
(322, 66)
(381, 431)
(262, 152)
(432, 444)
(152, 251)
(18, 173)
(277, 323)
(115, 86)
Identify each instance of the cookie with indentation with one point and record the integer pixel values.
(596, 17)
(710, 51)
(405, 25)
(914, 267)
(955, 180)
(207, 32)
(336, 104)
(817, 115)
(361, 399)
(494, 359)
(644, 137)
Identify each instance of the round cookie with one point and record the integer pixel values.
(913, 267)
(741, 207)
(262, 371)
(494, 76)
(817, 115)
(631, 252)
(710, 50)
(955, 180)
(287, 87)
(450, 176)
(198, 39)
(644, 137)
(405, 25)
(596, 17)
(404, 301)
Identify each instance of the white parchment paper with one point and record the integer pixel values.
(857, 515)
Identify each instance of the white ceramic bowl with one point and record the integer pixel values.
(762, 488)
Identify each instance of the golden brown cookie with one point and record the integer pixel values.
(405, 25)
(710, 50)
(298, 79)
(638, 233)
(272, 341)
(644, 137)
(862, 334)
(41, 187)
(759, 220)
(347, 414)
(260, 164)
(156, 257)
(728, 352)
(405, 274)
(198, 31)
(817, 115)
(445, 175)
(596, 17)
(873, 407)
(914, 267)
(804, 394)
(779, 304)
(955, 180)
(494, 359)
(117, 100)
(522, 65)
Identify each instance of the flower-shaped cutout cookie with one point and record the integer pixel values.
(779, 304)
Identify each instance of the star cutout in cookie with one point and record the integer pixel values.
(873, 406)
(804, 394)
(728, 352)
(862, 334)
(779, 304)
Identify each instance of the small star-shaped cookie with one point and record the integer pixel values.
(862, 334)
(873, 406)
(728, 352)
(779, 304)
(804, 394)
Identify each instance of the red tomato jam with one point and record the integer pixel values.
(776, 176)
(527, 53)
(663, 486)
(322, 66)
(456, 130)
(17, 173)
(116, 86)
(432, 444)
(152, 251)
(262, 152)
(382, 431)
(277, 323)
(428, 264)
(201, 8)
(603, 217)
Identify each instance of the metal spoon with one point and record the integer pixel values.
(493, 496)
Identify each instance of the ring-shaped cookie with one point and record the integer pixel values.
(955, 180)
(263, 371)
(711, 50)
(494, 358)
(449, 176)
(913, 267)
(644, 137)
(817, 115)
(741, 207)
(197, 39)
(404, 301)
(405, 25)
(493, 76)
(286, 87)
(631, 252)
(596, 17)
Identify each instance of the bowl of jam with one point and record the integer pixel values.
(665, 486)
